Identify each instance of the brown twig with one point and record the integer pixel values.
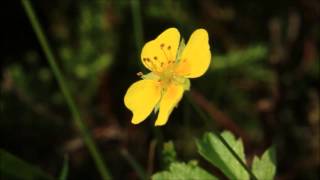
(101, 134)
(152, 149)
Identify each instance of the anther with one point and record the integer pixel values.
(139, 74)
(162, 64)
(169, 47)
(161, 45)
(155, 58)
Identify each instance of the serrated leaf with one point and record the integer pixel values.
(265, 168)
(13, 167)
(168, 154)
(183, 171)
(212, 149)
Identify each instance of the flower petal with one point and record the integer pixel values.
(169, 100)
(157, 54)
(196, 56)
(141, 98)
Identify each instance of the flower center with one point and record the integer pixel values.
(163, 67)
(166, 77)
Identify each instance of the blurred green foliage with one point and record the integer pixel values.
(168, 154)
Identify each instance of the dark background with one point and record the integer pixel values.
(262, 83)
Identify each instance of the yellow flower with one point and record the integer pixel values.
(171, 64)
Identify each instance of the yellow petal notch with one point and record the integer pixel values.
(196, 56)
(141, 98)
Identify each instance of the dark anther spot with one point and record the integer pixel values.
(169, 47)
(161, 64)
(161, 45)
(155, 58)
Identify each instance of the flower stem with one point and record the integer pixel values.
(96, 155)
(207, 121)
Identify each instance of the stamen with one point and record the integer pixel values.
(155, 62)
(170, 54)
(165, 54)
(154, 67)
(147, 63)
(139, 74)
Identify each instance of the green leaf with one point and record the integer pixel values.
(183, 171)
(212, 149)
(265, 168)
(65, 169)
(13, 167)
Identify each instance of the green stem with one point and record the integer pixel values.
(207, 121)
(134, 164)
(96, 155)
(137, 25)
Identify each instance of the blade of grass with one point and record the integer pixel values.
(96, 155)
(134, 164)
(65, 169)
(206, 119)
(13, 167)
(137, 26)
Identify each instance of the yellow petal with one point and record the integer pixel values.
(141, 98)
(196, 57)
(169, 100)
(157, 54)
